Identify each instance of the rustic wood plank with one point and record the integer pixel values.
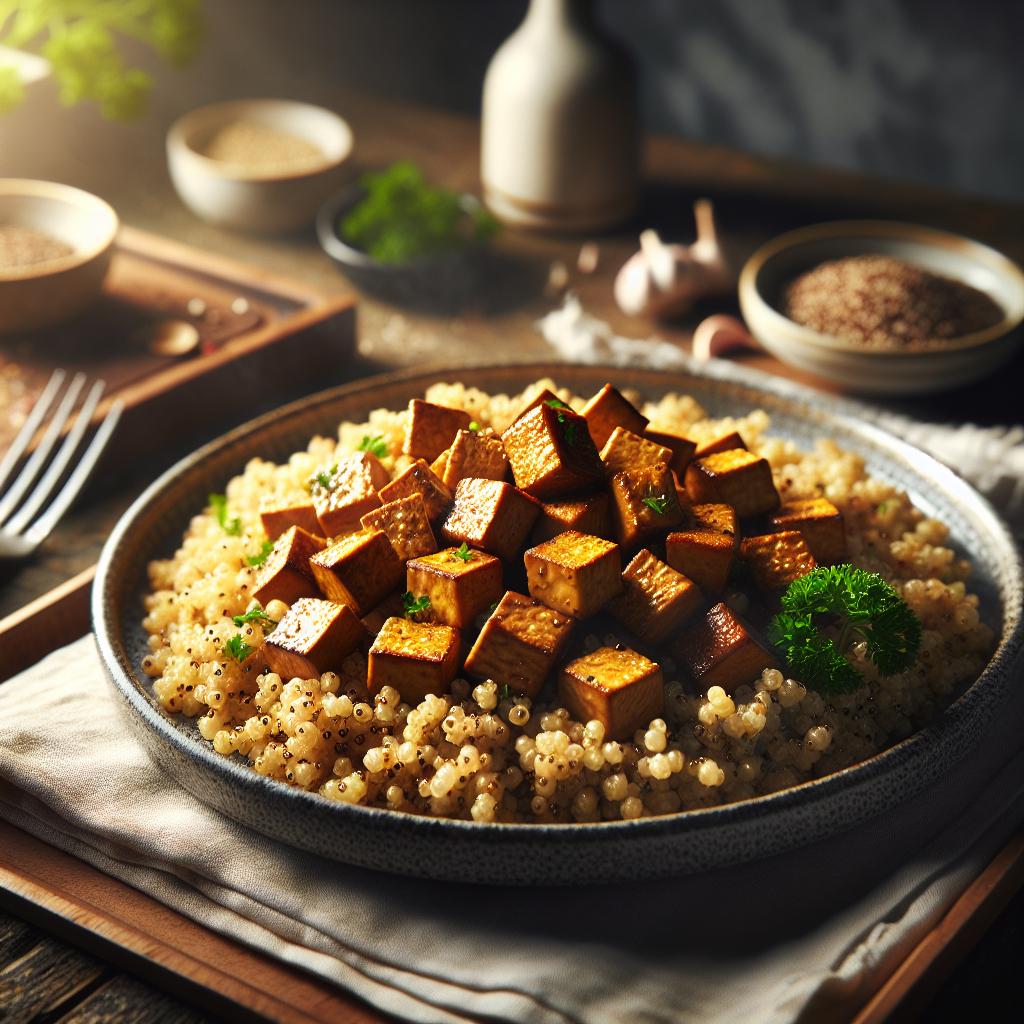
(16, 938)
(128, 1001)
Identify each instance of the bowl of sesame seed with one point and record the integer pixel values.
(883, 307)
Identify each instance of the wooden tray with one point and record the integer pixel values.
(124, 926)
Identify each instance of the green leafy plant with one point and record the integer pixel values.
(413, 605)
(376, 445)
(403, 218)
(862, 606)
(80, 40)
(238, 649)
(219, 503)
(256, 615)
(463, 552)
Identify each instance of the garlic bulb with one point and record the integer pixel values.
(665, 280)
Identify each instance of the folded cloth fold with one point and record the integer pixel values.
(810, 934)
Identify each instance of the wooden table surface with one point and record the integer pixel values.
(755, 198)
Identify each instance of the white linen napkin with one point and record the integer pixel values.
(811, 934)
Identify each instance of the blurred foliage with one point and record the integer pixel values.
(80, 40)
(403, 218)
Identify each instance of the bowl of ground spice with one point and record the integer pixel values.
(55, 247)
(883, 307)
(264, 166)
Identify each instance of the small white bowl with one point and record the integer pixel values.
(883, 371)
(43, 294)
(235, 197)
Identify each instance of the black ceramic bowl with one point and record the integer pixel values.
(682, 843)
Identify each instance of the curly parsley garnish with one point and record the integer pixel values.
(864, 607)
(238, 648)
(219, 503)
(463, 552)
(657, 505)
(261, 556)
(376, 445)
(257, 615)
(413, 605)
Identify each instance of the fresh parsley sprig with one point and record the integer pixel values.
(864, 607)
(463, 552)
(413, 605)
(219, 503)
(261, 556)
(256, 615)
(238, 648)
(376, 445)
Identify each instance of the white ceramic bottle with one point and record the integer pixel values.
(560, 143)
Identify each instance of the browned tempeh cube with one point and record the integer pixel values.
(440, 464)
(776, 559)
(350, 492)
(607, 410)
(475, 454)
(406, 524)
(359, 570)
(416, 658)
(459, 586)
(392, 606)
(725, 443)
(705, 551)
(626, 450)
(656, 599)
(682, 448)
(314, 637)
(491, 515)
(278, 514)
(719, 650)
(420, 479)
(587, 515)
(432, 428)
(644, 504)
(574, 573)
(286, 574)
(735, 477)
(519, 643)
(621, 689)
(821, 524)
(552, 454)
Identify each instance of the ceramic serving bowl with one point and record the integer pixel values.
(560, 854)
(883, 371)
(43, 294)
(246, 199)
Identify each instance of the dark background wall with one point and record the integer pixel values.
(928, 90)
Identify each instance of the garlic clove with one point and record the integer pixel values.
(718, 335)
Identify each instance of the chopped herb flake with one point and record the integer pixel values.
(219, 503)
(555, 403)
(414, 605)
(376, 445)
(238, 648)
(506, 692)
(256, 615)
(463, 552)
(658, 505)
(261, 556)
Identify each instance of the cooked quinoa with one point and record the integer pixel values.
(473, 753)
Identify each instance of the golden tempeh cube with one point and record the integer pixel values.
(352, 490)
(706, 550)
(475, 454)
(432, 428)
(359, 570)
(519, 644)
(286, 574)
(682, 448)
(416, 658)
(314, 637)
(609, 409)
(552, 454)
(420, 479)
(541, 397)
(644, 504)
(574, 573)
(406, 524)
(821, 524)
(278, 514)
(735, 477)
(626, 450)
(491, 515)
(459, 587)
(776, 559)
(619, 688)
(725, 443)
(440, 464)
(656, 600)
(719, 650)
(587, 515)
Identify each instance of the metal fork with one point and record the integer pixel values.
(25, 522)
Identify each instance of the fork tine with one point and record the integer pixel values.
(56, 468)
(30, 426)
(40, 530)
(42, 453)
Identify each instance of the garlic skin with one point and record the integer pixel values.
(721, 334)
(665, 280)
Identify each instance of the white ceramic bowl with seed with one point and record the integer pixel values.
(261, 165)
(883, 371)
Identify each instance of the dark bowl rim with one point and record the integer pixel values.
(1009, 648)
